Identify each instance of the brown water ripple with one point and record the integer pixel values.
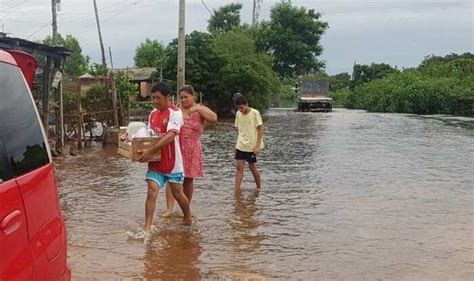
(347, 195)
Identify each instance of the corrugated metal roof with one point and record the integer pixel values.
(137, 73)
(86, 76)
(56, 52)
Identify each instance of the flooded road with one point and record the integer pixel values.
(346, 195)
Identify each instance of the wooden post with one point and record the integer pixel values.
(56, 91)
(61, 113)
(79, 110)
(57, 116)
(128, 112)
(59, 110)
(114, 98)
(128, 101)
(181, 44)
(46, 90)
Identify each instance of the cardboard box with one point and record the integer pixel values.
(131, 150)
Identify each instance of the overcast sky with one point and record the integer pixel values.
(398, 32)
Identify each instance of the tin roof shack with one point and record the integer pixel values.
(142, 76)
(314, 96)
(86, 81)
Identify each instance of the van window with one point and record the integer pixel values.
(20, 129)
(3, 163)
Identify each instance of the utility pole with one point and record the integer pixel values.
(48, 69)
(54, 22)
(104, 63)
(114, 98)
(181, 45)
(111, 61)
(257, 4)
(114, 90)
(253, 12)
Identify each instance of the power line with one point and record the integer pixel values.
(27, 22)
(48, 23)
(89, 16)
(13, 6)
(89, 26)
(112, 10)
(116, 13)
(204, 3)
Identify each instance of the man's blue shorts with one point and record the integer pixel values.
(162, 179)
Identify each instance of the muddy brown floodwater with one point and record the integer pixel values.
(346, 195)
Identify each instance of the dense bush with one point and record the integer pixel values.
(438, 85)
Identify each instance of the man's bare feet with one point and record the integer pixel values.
(188, 221)
(166, 214)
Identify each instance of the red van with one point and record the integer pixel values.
(32, 231)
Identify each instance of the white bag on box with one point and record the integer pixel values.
(142, 133)
(137, 130)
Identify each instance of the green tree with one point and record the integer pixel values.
(222, 64)
(150, 53)
(95, 101)
(292, 37)
(363, 74)
(202, 63)
(438, 85)
(343, 98)
(225, 18)
(127, 92)
(244, 69)
(76, 64)
(96, 70)
(126, 89)
(437, 60)
(445, 87)
(339, 81)
(452, 65)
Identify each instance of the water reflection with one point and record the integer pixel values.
(245, 223)
(173, 255)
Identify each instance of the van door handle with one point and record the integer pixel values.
(11, 222)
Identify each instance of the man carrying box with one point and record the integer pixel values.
(166, 121)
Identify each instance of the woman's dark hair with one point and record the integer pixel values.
(188, 89)
(161, 87)
(241, 100)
